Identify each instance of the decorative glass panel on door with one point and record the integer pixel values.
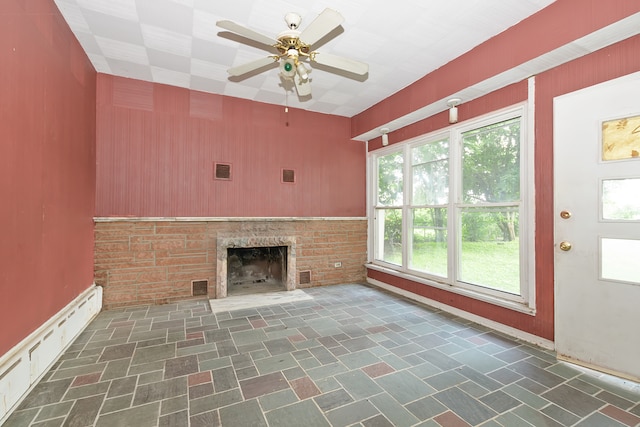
(621, 138)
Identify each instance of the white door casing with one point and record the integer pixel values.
(597, 321)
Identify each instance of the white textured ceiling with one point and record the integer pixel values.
(177, 42)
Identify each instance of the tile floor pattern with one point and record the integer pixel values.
(352, 356)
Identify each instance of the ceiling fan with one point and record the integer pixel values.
(294, 48)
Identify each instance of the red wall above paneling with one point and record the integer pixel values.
(47, 167)
(556, 25)
(156, 147)
(502, 98)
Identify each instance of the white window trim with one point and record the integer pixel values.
(522, 303)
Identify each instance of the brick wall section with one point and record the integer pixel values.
(153, 262)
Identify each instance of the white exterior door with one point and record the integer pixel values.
(597, 226)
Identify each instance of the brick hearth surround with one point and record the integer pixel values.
(151, 261)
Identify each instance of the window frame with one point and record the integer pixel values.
(525, 301)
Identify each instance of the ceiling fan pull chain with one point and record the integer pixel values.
(286, 107)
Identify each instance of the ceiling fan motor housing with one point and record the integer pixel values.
(293, 20)
(288, 41)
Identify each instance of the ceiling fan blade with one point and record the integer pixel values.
(339, 62)
(246, 32)
(324, 23)
(251, 66)
(303, 87)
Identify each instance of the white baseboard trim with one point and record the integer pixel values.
(24, 365)
(595, 370)
(508, 330)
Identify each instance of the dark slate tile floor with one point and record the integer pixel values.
(352, 356)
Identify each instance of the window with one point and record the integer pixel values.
(389, 208)
(489, 242)
(450, 209)
(429, 207)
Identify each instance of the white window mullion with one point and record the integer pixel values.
(455, 188)
(371, 197)
(528, 197)
(408, 188)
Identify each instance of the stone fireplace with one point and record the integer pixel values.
(156, 261)
(250, 260)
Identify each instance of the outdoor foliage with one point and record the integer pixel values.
(490, 175)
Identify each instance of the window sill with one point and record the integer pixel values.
(521, 307)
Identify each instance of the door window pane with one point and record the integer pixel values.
(491, 163)
(429, 241)
(490, 250)
(430, 173)
(390, 179)
(620, 259)
(621, 199)
(620, 139)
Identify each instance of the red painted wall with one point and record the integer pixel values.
(608, 63)
(554, 26)
(47, 167)
(156, 146)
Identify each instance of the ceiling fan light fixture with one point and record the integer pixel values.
(302, 71)
(453, 109)
(294, 49)
(288, 67)
(385, 138)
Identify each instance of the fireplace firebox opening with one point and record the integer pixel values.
(255, 264)
(256, 269)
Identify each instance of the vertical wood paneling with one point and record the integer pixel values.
(130, 93)
(205, 106)
(171, 100)
(159, 163)
(47, 167)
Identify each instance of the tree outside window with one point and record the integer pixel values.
(469, 234)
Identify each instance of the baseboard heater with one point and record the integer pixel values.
(24, 365)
